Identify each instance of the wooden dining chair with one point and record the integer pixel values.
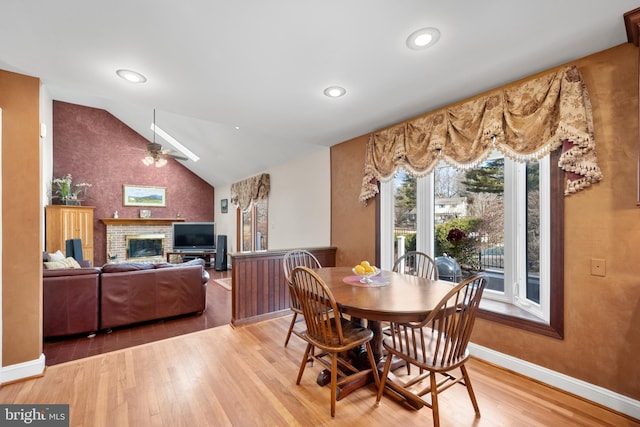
(329, 332)
(291, 260)
(416, 264)
(437, 346)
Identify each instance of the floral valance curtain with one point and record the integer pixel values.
(525, 122)
(244, 192)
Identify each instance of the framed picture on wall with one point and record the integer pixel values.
(140, 195)
(224, 205)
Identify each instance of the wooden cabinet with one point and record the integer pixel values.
(69, 222)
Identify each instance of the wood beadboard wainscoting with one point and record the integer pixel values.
(259, 289)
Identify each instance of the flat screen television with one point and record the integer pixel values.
(194, 236)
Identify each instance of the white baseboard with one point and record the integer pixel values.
(594, 393)
(32, 368)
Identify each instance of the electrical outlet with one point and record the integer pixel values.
(598, 267)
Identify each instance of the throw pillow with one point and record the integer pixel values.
(68, 262)
(56, 256)
(52, 265)
(72, 263)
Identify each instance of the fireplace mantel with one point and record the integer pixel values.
(140, 221)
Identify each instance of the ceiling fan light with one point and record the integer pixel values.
(161, 162)
(147, 161)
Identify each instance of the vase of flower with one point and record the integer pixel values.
(68, 193)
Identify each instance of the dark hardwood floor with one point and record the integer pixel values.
(218, 313)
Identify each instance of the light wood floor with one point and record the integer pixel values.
(245, 377)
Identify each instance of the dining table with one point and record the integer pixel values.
(386, 297)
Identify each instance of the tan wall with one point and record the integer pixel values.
(353, 224)
(21, 213)
(602, 314)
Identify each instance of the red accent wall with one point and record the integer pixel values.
(95, 147)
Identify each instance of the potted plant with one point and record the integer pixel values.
(67, 192)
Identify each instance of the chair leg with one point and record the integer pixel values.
(334, 380)
(467, 382)
(305, 359)
(383, 379)
(293, 322)
(434, 400)
(374, 365)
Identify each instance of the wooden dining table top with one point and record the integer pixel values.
(393, 297)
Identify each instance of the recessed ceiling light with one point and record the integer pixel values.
(423, 38)
(131, 76)
(335, 91)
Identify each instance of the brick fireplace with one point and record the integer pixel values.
(139, 239)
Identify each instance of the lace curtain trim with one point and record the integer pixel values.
(244, 192)
(525, 122)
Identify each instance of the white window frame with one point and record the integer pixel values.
(515, 233)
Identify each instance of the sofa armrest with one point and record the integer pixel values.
(70, 303)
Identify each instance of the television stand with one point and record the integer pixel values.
(209, 257)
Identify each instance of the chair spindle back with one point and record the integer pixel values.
(319, 307)
(444, 342)
(416, 264)
(293, 259)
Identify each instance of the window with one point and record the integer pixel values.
(251, 196)
(253, 223)
(511, 218)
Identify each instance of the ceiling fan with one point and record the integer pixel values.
(155, 154)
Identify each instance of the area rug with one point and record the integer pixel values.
(225, 283)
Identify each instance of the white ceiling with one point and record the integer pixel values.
(262, 65)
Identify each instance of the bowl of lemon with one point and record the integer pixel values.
(366, 271)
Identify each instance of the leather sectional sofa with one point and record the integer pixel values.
(86, 300)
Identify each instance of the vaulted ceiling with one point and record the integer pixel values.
(240, 83)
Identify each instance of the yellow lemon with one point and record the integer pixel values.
(359, 269)
(369, 269)
(365, 264)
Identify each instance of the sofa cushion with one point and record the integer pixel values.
(127, 266)
(163, 265)
(197, 261)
